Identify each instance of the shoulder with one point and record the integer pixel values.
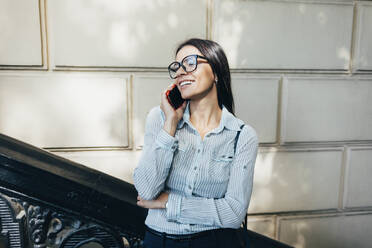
(155, 119)
(248, 135)
(155, 114)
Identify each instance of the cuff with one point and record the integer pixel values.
(173, 207)
(167, 141)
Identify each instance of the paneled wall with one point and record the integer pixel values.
(78, 78)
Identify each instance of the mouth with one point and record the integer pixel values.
(184, 83)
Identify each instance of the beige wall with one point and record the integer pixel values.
(78, 77)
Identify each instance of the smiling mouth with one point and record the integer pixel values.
(184, 83)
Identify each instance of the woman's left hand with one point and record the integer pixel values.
(157, 203)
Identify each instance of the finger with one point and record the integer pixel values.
(170, 87)
(164, 93)
(183, 106)
(140, 203)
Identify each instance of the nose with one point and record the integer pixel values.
(180, 71)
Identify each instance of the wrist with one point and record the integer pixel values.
(170, 126)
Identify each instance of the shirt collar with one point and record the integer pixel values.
(228, 120)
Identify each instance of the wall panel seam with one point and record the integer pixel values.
(129, 83)
(209, 26)
(343, 183)
(313, 2)
(353, 38)
(46, 32)
(279, 112)
(283, 110)
(41, 28)
(312, 214)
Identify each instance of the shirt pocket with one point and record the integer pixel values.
(219, 166)
(180, 153)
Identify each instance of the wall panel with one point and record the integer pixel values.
(363, 56)
(327, 232)
(256, 103)
(262, 225)
(20, 42)
(64, 111)
(119, 164)
(321, 109)
(146, 95)
(296, 180)
(123, 33)
(358, 180)
(284, 35)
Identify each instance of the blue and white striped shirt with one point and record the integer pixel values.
(209, 186)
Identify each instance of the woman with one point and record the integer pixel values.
(195, 174)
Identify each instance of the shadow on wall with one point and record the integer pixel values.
(271, 193)
(280, 36)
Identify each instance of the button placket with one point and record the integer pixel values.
(175, 145)
(193, 172)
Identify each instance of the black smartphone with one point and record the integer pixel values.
(174, 97)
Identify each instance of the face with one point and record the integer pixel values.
(198, 83)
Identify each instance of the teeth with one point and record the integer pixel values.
(185, 83)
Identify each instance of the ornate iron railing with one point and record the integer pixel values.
(49, 201)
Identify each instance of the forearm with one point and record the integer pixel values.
(226, 212)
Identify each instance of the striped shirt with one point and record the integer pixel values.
(209, 185)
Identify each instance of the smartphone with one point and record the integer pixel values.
(174, 97)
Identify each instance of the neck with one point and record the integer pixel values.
(205, 113)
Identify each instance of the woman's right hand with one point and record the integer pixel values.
(172, 116)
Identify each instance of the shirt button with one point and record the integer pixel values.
(195, 168)
(189, 187)
(198, 150)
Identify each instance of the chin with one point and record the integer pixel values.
(185, 96)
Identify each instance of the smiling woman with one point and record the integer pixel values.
(196, 171)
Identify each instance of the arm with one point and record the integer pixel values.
(229, 211)
(156, 158)
(159, 146)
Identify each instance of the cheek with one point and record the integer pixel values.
(206, 77)
(209, 75)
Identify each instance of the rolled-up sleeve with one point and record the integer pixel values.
(229, 211)
(156, 159)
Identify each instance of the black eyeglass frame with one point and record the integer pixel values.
(180, 64)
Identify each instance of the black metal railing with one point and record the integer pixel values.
(49, 201)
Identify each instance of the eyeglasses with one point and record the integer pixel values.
(188, 64)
